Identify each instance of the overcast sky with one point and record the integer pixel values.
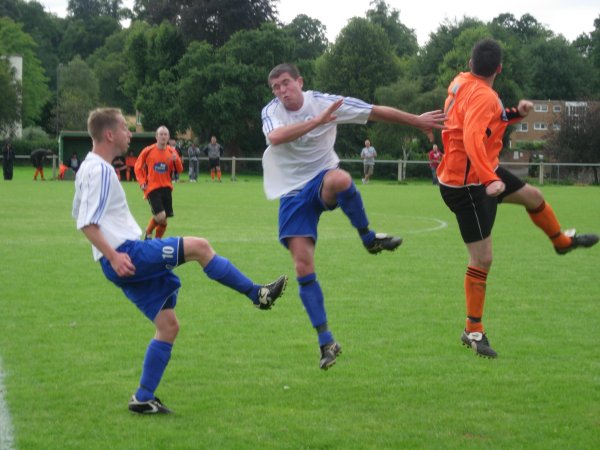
(567, 17)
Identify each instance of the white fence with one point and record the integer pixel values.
(400, 170)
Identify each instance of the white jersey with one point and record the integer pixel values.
(100, 200)
(290, 166)
(368, 154)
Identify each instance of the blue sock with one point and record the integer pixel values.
(155, 362)
(351, 204)
(220, 269)
(314, 303)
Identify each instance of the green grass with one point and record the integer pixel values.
(240, 378)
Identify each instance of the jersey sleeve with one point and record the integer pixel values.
(270, 119)
(141, 173)
(91, 196)
(352, 110)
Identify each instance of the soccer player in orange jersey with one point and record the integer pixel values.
(153, 170)
(472, 184)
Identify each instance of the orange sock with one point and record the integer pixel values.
(475, 283)
(160, 230)
(212, 174)
(36, 174)
(543, 216)
(151, 226)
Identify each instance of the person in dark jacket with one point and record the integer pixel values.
(8, 161)
(38, 157)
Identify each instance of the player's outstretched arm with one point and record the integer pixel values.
(524, 107)
(426, 122)
(292, 132)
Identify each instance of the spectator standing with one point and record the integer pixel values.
(368, 155)
(214, 151)
(8, 161)
(194, 161)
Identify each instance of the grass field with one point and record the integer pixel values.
(71, 345)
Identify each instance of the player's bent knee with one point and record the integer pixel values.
(197, 249)
(338, 180)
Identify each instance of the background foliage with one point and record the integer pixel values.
(201, 65)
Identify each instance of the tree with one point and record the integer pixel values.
(110, 65)
(360, 60)
(10, 106)
(525, 30)
(440, 43)
(151, 51)
(578, 138)
(560, 72)
(402, 38)
(407, 95)
(35, 93)
(46, 30)
(156, 103)
(594, 56)
(209, 20)
(89, 9)
(223, 92)
(83, 37)
(309, 37)
(77, 94)
(509, 84)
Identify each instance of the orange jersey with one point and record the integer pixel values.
(130, 161)
(154, 167)
(474, 130)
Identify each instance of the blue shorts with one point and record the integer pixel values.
(154, 286)
(300, 211)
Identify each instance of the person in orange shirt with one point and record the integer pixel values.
(472, 184)
(130, 163)
(153, 170)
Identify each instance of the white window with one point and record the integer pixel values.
(541, 108)
(556, 108)
(540, 126)
(522, 127)
(556, 126)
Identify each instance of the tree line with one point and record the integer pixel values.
(202, 65)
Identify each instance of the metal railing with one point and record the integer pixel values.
(544, 171)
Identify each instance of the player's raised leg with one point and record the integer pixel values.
(543, 216)
(220, 269)
(338, 188)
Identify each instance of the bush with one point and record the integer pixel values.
(25, 146)
(34, 134)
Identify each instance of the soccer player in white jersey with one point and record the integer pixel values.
(301, 169)
(143, 269)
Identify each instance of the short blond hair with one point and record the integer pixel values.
(100, 119)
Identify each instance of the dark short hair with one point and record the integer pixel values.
(280, 69)
(486, 56)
